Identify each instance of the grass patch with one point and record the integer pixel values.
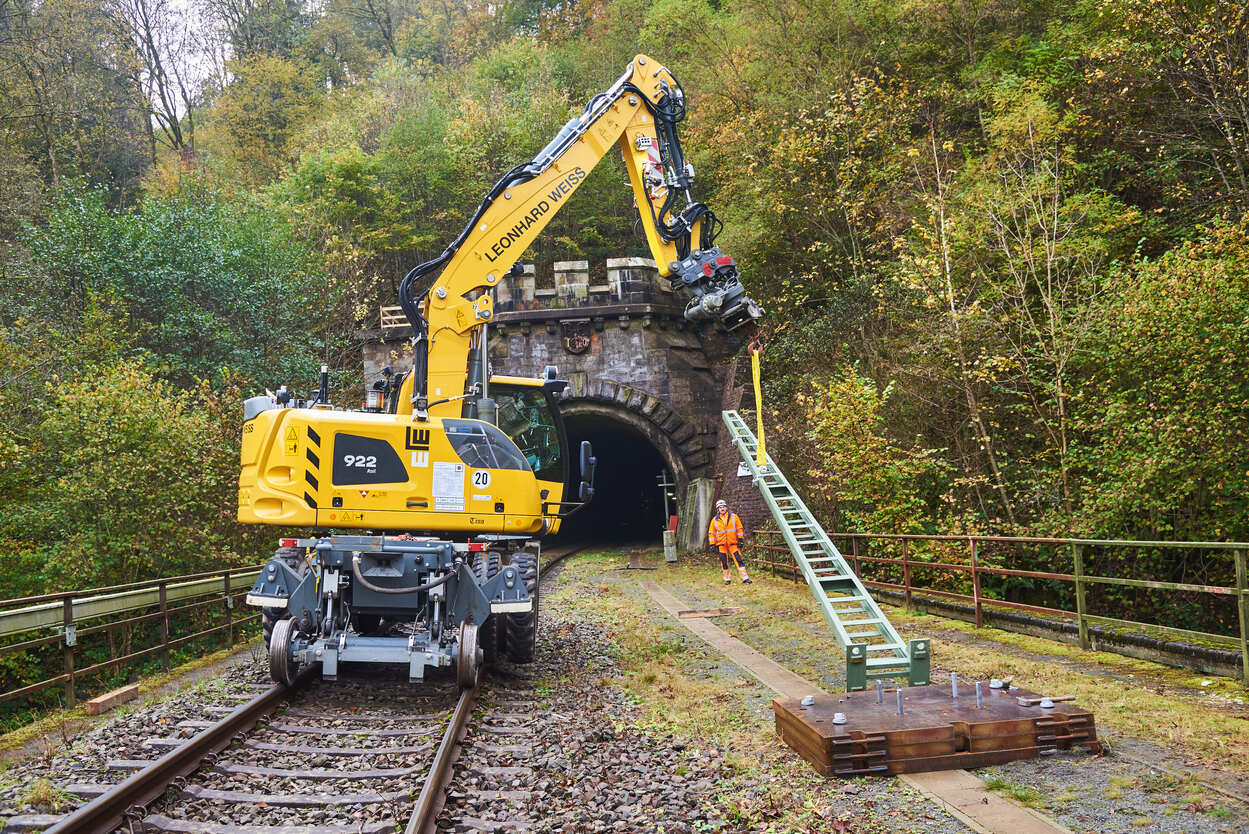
(1022, 794)
(41, 795)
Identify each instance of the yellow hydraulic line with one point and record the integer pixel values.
(761, 454)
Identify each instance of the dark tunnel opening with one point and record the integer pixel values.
(628, 505)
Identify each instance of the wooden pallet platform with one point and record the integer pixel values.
(932, 733)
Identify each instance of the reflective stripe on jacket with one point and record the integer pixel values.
(725, 532)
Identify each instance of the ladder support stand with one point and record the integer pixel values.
(872, 646)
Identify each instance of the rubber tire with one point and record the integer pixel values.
(268, 617)
(485, 566)
(366, 624)
(522, 626)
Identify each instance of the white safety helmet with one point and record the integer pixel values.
(721, 503)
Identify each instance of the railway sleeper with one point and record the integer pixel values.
(293, 800)
(157, 822)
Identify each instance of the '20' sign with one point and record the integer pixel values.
(481, 478)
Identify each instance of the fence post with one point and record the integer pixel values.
(71, 638)
(164, 626)
(794, 573)
(229, 612)
(1078, 554)
(906, 570)
(975, 583)
(854, 548)
(1242, 605)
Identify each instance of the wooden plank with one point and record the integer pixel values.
(687, 613)
(1034, 701)
(103, 703)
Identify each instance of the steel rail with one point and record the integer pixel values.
(433, 791)
(108, 811)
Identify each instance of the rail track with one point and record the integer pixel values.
(330, 758)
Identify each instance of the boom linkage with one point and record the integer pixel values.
(639, 114)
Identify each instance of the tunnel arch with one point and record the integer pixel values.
(617, 418)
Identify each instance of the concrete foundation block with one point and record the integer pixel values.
(696, 514)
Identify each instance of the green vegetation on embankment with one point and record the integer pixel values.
(1002, 245)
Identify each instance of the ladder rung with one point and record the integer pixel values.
(883, 647)
(853, 623)
(888, 662)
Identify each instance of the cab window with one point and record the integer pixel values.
(526, 416)
(482, 446)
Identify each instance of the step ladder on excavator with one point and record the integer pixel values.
(872, 646)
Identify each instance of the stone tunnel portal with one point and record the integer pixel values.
(645, 387)
(628, 505)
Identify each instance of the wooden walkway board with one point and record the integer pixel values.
(932, 733)
(686, 613)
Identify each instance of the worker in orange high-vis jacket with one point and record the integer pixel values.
(724, 533)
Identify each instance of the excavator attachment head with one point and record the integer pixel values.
(712, 280)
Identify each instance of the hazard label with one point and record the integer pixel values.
(292, 441)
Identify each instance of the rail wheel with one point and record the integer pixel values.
(468, 661)
(283, 667)
(522, 626)
(485, 566)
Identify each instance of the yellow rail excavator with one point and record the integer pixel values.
(440, 488)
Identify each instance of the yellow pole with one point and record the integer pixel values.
(761, 456)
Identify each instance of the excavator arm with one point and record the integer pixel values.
(639, 113)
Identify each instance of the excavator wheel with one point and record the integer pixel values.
(268, 618)
(366, 624)
(522, 627)
(485, 566)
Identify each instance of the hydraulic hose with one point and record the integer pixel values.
(378, 589)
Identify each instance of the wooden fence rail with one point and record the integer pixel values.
(769, 542)
(72, 615)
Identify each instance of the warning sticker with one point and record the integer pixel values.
(448, 486)
(292, 441)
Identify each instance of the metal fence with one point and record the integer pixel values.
(34, 626)
(974, 569)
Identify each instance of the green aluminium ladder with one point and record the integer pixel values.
(872, 646)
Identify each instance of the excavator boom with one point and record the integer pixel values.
(639, 114)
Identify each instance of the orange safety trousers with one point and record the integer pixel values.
(724, 533)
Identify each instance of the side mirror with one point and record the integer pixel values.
(588, 464)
